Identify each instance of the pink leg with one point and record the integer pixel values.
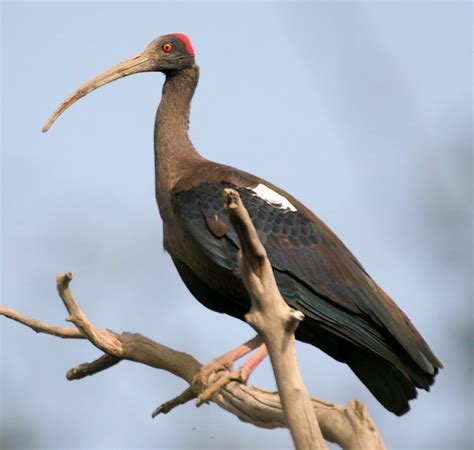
(251, 364)
(226, 361)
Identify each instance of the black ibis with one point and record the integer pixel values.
(347, 315)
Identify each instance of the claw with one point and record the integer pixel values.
(241, 375)
(216, 375)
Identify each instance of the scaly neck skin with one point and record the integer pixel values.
(174, 152)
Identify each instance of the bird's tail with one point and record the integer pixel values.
(389, 385)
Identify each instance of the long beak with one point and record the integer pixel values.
(141, 62)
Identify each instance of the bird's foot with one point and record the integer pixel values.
(223, 379)
(226, 361)
(216, 375)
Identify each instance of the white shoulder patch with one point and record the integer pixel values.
(272, 197)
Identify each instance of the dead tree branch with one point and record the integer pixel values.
(349, 426)
(276, 323)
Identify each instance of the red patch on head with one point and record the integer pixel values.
(186, 41)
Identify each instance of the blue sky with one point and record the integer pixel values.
(362, 110)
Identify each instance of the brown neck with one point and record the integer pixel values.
(174, 152)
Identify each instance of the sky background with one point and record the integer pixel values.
(362, 110)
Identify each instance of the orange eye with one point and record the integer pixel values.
(167, 47)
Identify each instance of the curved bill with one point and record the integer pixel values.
(141, 62)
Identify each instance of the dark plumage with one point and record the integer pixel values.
(348, 315)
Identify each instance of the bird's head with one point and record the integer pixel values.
(168, 53)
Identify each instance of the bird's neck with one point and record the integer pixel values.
(174, 152)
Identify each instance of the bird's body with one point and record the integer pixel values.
(347, 315)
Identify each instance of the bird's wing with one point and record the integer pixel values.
(306, 251)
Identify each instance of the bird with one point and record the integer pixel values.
(347, 314)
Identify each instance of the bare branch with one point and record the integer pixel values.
(104, 340)
(276, 323)
(252, 248)
(86, 369)
(41, 327)
(346, 426)
(181, 399)
(350, 426)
